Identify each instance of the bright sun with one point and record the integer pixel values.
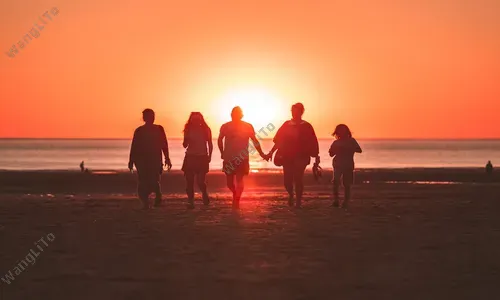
(260, 107)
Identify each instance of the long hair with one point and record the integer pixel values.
(190, 124)
(342, 132)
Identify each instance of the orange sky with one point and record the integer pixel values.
(394, 69)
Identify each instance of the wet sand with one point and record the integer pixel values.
(410, 241)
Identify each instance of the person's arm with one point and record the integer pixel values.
(165, 148)
(210, 145)
(332, 151)
(314, 145)
(277, 140)
(256, 144)
(357, 148)
(133, 152)
(273, 149)
(220, 142)
(185, 142)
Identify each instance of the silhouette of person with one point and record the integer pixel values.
(233, 144)
(489, 168)
(342, 150)
(146, 154)
(82, 166)
(197, 136)
(296, 143)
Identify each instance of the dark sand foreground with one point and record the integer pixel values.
(398, 241)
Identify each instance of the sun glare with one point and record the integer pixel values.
(260, 107)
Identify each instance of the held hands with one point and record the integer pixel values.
(317, 161)
(270, 156)
(266, 157)
(131, 166)
(168, 164)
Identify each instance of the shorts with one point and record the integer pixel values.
(236, 167)
(344, 174)
(195, 164)
(297, 160)
(151, 173)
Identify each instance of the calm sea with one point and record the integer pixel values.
(66, 154)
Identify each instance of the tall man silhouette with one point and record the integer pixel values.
(233, 145)
(148, 144)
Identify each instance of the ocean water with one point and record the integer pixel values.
(66, 154)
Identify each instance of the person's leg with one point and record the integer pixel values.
(298, 177)
(143, 189)
(337, 174)
(240, 186)
(157, 190)
(201, 180)
(230, 182)
(190, 188)
(228, 169)
(348, 179)
(143, 194)
(288, 181)
(347, 195)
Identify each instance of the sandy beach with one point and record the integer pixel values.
(411, 239)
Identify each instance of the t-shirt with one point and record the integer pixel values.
(147, 145)
(197, 138)
(297, 140)
(343, 151)
(236, 136)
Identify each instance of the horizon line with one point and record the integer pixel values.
(319, 138)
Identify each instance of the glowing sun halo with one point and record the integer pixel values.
(260, 107)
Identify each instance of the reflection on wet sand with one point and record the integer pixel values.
(420, 182)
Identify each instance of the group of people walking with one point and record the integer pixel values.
(295, 143)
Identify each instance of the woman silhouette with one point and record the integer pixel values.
(197, 136)
(296, 143)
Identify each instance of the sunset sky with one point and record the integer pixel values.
(389, 69)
